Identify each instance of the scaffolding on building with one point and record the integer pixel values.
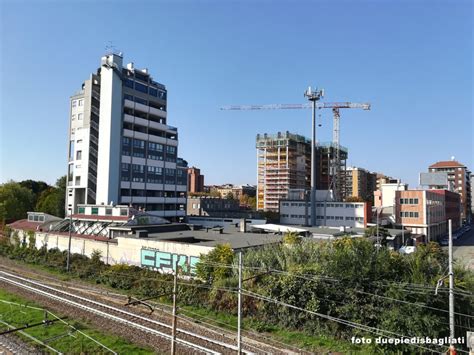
(284, 163)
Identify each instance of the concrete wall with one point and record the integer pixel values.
(131, 251)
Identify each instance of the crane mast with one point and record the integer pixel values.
(335, 168)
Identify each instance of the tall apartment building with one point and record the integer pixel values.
(359, 183)
(472, 199)
(459, 176)
(284, 163)
(121, 149)
(195, 180)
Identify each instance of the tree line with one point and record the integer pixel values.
(18, 198)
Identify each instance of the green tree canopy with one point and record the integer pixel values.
(52, 200)
(211, 265)
(15, 201)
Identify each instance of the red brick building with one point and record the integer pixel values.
(195, 180)
(427, 211)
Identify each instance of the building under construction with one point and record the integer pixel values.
(284, 163)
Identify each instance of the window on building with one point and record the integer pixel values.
(79, 155)
(138, 173)
(128, 83)
(140, 87)
(128, 97)
(125, 173)
(73, 117)
(78, 180)
(124, 212)
(81, 210)
(108, 211)
(154, 175)
(138, 148)
(74, 103)
(95, 210)
(126, 146)
(141, 101)
(80, 116)
(170, 149)
(153, 92)
(80, 102)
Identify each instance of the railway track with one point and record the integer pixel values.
(187, 340)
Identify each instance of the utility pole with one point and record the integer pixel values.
(68, 262)
(451, 285)
(313, 96)
(377, 212)
(173, 328)
(239, 311)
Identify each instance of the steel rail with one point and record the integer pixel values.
(207, 339)
(106, 315)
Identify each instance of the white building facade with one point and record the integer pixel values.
(121, 149)
(328, 213)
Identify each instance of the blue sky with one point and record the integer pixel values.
(412, 60)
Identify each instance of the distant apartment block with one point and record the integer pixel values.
(359, 183)
(427, 211)
(385, 196)
(383, 179)
(195, 180)
(208, 206)
(284, 163)
(237, 191)
(472, 199)
(121, 149)
(459, 177)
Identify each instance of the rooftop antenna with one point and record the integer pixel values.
(110, 48)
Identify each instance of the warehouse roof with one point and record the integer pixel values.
(211, 238)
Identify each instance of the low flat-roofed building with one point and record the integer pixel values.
(330, 214)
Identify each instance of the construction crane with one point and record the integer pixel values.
(335, 184)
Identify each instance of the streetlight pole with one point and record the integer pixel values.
(313, 96)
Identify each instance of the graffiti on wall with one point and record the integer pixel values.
(165, 261)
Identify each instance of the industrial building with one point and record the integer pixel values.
(284, 163)
(459, 176)
(328, 213)
(124, 235)
(121, 149)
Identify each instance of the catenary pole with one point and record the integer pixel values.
(68, 262)
(239, 312)
(451, 284)
(173, 328)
